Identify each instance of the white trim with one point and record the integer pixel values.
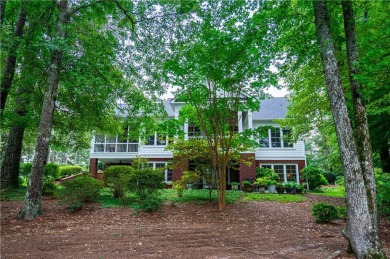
(284, 169)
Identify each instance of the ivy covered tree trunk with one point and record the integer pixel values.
(9, 70)
(32, 203)
(362, 132)
(360, 231)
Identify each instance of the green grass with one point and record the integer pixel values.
(199, 195)
(283, 198)
(11, 194)
(331, 191)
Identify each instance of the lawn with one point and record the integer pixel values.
(331, 191)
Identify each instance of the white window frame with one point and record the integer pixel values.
(282, 141)
(155, 141)
(114, 144)
(284, 169)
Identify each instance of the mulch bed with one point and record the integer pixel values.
(243, 230)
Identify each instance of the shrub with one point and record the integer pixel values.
(268, 173)
(145, 181)
(383, 192)
(314, 176)
(49, 189)
(25, 170)
(78, 191)
(342, 212)
(324, 212)
(151, 203)
(52, 172)
(330, 176)
(117, 178)
(68, 170)
(180, 187)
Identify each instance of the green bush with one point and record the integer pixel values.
(25, 170)
(78, 191)
(52, 172)
(49, 189)
(314, 176)
(68, 170)
(267, 173)
(330, 176)
(324, 212)
(151, 203)
(117, 178)
(383, 192)
(146, 182)
(342, 212)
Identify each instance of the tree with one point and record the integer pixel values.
(9, 71)
(220, 67)
(362, 234)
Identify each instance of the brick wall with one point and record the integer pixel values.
(247, 171)
(93, 165)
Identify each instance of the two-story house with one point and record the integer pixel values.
(287, 159)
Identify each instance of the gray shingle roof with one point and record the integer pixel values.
(274, 108)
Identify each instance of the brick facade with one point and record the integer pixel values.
(93, 166)
(247, 172)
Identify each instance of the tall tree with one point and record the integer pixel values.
(9, 71)
(32, 203)
(360, 230)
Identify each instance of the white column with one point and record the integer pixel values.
(239, 114)
(186, 129)
(250, 121)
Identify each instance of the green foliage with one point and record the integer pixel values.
(383, 192)
(330, 176)
(267, 173)
(324, 212)
(69, 170)
(78, 191)
(199, 195)
(145, 182)
(150, 203)
(342, 212)
(180, 187)
(52, 172)
(49, 188)
(314, 176)
(117, 178)
(25, 170)
(12, 194)
(274, 197)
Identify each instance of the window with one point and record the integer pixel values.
(286, 134)
(115, 144)
(277, 138)
(286, 172)
(193, 131)
(156, 140)
(163, 167)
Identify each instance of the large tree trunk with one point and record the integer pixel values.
(13, 150)
(362, 132)
(32, 203)
(360, 232)
(10, 65)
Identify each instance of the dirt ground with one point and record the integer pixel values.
(243, 230)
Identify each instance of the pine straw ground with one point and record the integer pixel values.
(189, 230)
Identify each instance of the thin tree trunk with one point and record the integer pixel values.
(10, 65)
(384, 154)
(359, 229)
(32, 203)
(362, 132)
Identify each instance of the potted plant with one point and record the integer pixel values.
(261, 183)
(288, 186)
(247, 186)
(234, 185)
(280, 187)
(298, 188)
(271, 184)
